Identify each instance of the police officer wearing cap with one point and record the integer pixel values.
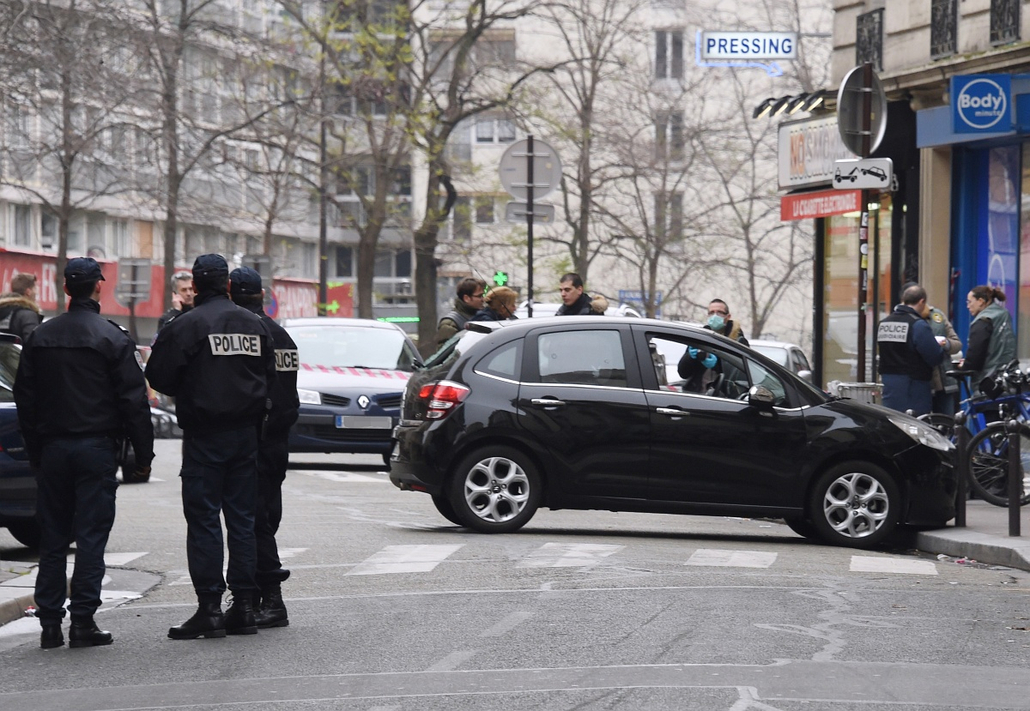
(79, 391)
(909, 352)
(218, 362)
(273, 452)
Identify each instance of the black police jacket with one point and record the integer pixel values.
(217, 360)
(285, 402)
(80, 375)
(907, 345)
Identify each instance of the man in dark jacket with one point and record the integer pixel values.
(576, 302)
(182, 298)
(468, 301)
(218, 362)
(79, 391)
(19, 312)
(273, 451)
(909, 352)
(701, 368)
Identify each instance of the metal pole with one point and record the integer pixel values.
(323, 170)
(1015, 476)
(962, 446)
(529, 222)
(863, 228)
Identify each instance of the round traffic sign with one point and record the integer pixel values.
(849, 112)
(515, 169)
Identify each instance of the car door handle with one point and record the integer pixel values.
(547, 402)
(672, 412)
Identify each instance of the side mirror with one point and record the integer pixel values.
(805, 375)
(417, 364)
(761, 397)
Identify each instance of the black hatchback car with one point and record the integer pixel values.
(577, 412)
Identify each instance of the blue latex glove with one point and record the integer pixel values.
(710, 361)
(692, 352)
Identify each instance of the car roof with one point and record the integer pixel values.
(334, 322)
(774, 344)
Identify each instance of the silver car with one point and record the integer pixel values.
(789, 355)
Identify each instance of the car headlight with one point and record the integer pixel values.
(309, 397)
(922, 433)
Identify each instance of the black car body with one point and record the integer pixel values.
(352, 374)
(577, 413)
(17, 483)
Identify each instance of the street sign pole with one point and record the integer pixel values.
(863, 225)
(529, 225)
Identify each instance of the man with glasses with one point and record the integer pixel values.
(576, 302)
(469, 300)
(701, 368)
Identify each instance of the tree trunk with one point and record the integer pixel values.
(425, 267)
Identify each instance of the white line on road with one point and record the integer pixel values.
(346, 477)
(567, 555)
(404, 559)
(507, 624)
(871, 564)
(453, 660)
(117, 560)
(731, 559)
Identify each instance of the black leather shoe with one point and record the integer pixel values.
(272, 612)
(51, 637)
(207, 621)
(239, 618)
(88, 635)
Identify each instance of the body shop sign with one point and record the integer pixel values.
(981, 103)
(807, 151)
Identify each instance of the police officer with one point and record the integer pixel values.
(908, 354)
(79, 390)
(273, 452)
(217, 361)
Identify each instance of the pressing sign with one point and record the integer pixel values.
(235, 344)
(286, 360)
(892, 331)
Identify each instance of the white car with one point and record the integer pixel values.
(789, 355)
(542, 310)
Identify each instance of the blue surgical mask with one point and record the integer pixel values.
(716, 322)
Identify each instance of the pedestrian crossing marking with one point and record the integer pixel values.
(119, 560)
(568, 555)
(346, 477)
(875, 564)
(290, 552)
(714, 557)
(405, 559)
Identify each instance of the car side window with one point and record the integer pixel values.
(687, 368)
(582, 357)
(802, 361)
(503, 362)
(760, 375)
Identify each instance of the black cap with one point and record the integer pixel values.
(79, 270)
(209, 265)
(244, 281)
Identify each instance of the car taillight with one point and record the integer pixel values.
(442, 397)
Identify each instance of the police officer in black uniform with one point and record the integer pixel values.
(79, 390)
(908, 354)
(273, 452)
(218, 362)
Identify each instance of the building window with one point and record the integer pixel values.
(48, 230)
(943, 28)
(344, 261)
(484, 210)
(668, 216)
(494, 130)
(869, 39)
(23, 225)
(668, 58)
(669, 136)
(1004, 21)
(120, 238)
(461, 227)
(403, 264)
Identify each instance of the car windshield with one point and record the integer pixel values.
(333, 346)
(777, 355)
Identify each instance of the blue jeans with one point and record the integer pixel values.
(75, 502)
(219, 476)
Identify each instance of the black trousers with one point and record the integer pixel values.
(219, 475)
(75, 502)
(273, 458)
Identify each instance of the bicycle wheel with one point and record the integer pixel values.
(945, 424)
(988, 458)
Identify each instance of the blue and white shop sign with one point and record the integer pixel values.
(981, 103)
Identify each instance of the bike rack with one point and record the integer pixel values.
(1015, 477)
(961, 445)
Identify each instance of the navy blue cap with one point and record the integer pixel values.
(79, 270)
(209, 265)
(244, 281)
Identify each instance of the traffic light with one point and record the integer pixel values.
(500, 278)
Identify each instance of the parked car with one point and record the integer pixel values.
(789, 355)
(17, 483)
(352, 373)
(513, 416)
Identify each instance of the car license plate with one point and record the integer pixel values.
(352, 422)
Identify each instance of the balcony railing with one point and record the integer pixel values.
(943, 28)
(1004, 21)
(869, 39)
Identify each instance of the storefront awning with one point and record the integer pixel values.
(821, 203)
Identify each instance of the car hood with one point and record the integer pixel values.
(345, 379)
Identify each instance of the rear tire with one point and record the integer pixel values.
(803, 527)
(495, 490)
(855, 504)
(989, 464)
(443, 505)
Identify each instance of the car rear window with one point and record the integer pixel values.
(584, 357)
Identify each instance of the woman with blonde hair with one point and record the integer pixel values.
(499, 305)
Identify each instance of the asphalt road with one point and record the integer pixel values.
(392, 608)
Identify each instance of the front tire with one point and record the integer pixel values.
(855, 504)
(495, 490)
(803, 527)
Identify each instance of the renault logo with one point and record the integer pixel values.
(363, 401)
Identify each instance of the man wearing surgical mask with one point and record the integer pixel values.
(721, 321)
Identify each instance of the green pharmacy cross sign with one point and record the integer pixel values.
(500, 278)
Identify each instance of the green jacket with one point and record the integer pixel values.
(1001, 350)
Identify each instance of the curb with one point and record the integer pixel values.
(14, 609)
(982, 547)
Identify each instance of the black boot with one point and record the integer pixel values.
(207, 621)
(51, 636)
(87, 634)
(272, 612)
(239, 618)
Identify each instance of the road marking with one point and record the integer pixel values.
(346, 477)
(872, 564)
(507, 624)
(290, 552)
(453, 660)
(731, 559)
(567, 555)
(404, 559)
(116, 560)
